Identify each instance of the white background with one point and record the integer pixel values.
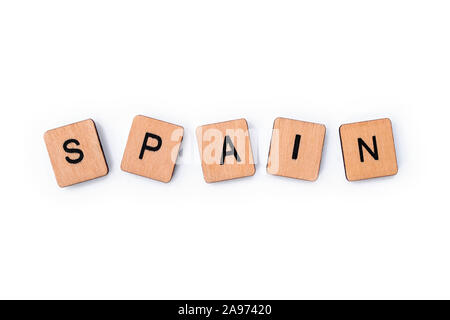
(199, 62)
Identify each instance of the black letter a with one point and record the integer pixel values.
(227, 141)
(149, 148)
(373, 153)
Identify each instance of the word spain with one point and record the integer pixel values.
(152, 149)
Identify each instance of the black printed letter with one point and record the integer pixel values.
(149, 148)
(73, 150)
(227, 141)
(373, 153)
(296, 147)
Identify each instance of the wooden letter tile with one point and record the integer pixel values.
(152, 148)
(76, 153)
(296, 149)
(368, 149)
(225, 151)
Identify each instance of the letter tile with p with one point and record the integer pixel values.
(152, 148)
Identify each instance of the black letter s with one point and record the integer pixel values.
(73, 150)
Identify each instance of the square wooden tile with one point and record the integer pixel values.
(225, 150)
(296, 149)
(76, 153)
(152, 148)
(368, 149)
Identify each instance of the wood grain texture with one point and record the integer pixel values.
(157, 165)
(355, 168)
(305, 164)
(211, 139)
(93, 164)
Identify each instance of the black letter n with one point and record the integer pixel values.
(149, 135)
(373, 153)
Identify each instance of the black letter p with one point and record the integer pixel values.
(150, 148)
